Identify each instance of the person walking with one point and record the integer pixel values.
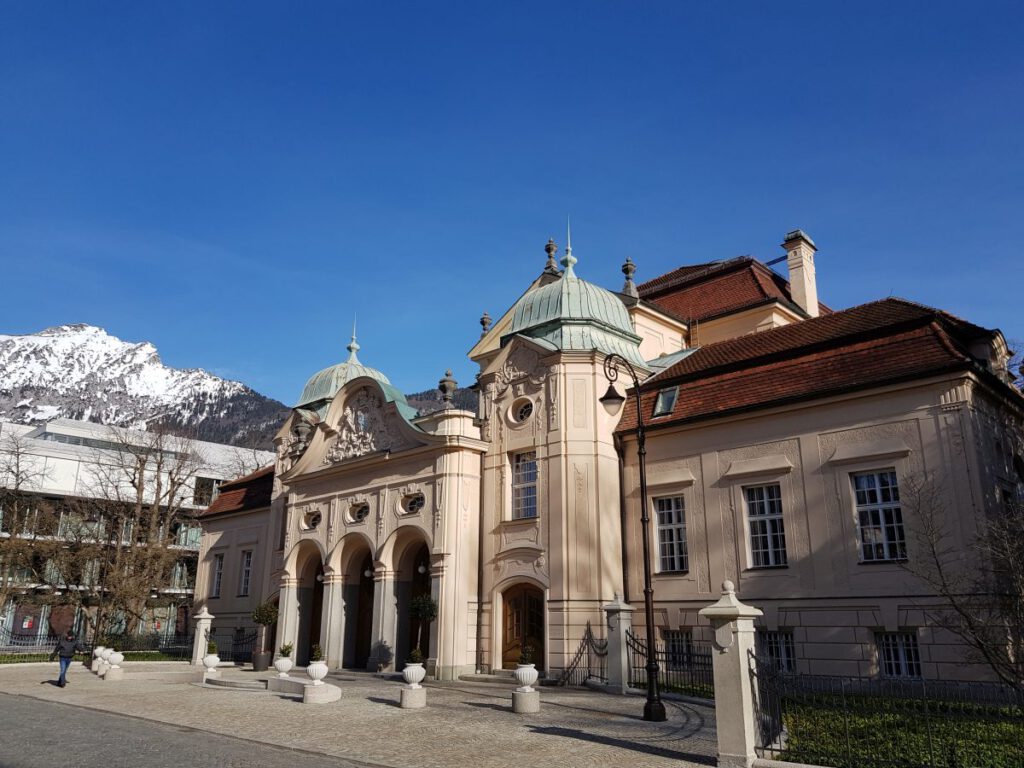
(67, 647)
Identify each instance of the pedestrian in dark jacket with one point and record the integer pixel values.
(67, 647)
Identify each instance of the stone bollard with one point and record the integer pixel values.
(413, 695)
(199, 641)
(116, 672)
(525, 698)
(733, 623)
(620, 618)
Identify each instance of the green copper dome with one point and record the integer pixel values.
(324, 385)
(571, 313)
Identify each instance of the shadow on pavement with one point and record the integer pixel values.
(650, 749)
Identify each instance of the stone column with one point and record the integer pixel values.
(287, 614)
(385, 621)
(733, 623)
(203, 621)
(332, 625)
(619, 619)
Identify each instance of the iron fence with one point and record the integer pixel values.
(685, 669)
(856, 722)
(589, 663)
(234, 645)
(148, 647)
(16, 647)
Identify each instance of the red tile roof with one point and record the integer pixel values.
(865, 346)
(244, 493)
(704, 291)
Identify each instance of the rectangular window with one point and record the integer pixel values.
(879, 517)
(245, 574)
(678, 648)
(898, 655)
(218, 575)
(778, 648)
(666, 401)
(767, 531)
(671, 519)
(524, 485)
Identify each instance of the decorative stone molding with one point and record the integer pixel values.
(364, 428)
(521, 367)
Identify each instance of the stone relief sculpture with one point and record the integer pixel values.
(364, 428)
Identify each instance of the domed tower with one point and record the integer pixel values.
(552, 541)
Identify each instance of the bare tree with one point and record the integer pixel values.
(27, 519)
(980, 582)
(119, 541)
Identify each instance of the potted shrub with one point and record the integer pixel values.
(211, 659)
(317, 667)
(283, 663)
(526, 672)
(424, 609)
(264, 615)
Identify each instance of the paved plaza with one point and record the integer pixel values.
(464, 724)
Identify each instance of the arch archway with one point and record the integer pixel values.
(357, 568)
(309, 590)
(522, 624)
(413, 575)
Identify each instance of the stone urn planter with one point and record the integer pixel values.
(210, 661)
(95, 665)
(105, 660)
(283, 665)
(413, 673)
(317, 670)
(526, 675)
(115, 659)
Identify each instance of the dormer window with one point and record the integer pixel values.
(666, 401)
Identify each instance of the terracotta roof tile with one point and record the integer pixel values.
(249, 492)
(860, 347)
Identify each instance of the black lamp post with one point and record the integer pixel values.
(654, 709)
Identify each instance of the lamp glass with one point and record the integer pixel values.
(612, 400)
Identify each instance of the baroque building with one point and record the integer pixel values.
(780, 434)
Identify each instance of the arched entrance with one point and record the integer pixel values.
(310, 593)
(522, 624)
(359, 597)
(413, 582)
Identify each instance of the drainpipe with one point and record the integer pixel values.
(480, 573)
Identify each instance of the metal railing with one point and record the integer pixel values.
(234, 645)
(856, 722)
(686, 670)
(589, 663)
(17, 647)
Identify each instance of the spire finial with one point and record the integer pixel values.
(568, 260)
(353, 346)
(447, 387)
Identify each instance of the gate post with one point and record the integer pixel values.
(619, 620)
(733, 623)
(203, 620)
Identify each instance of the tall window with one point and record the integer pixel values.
(767, 531)
(205, 491)
(245, 573)
(218, 575)
(898, 655)
(778, 648)
(524, 485)
(671, 518)
(879, 518)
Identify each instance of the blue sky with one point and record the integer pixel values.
(233, 181)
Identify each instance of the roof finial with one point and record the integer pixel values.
(353, 346)
(551, 249)
(568, 260)
(629, 269)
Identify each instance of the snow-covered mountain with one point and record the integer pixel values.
(82, 372)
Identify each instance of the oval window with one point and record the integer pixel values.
(413, 503)
(311, 520)
(359, 512)
(522, 410)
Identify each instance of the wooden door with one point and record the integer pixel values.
(523, 624)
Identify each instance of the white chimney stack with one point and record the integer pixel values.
(800, 259)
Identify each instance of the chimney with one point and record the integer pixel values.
(800, 260)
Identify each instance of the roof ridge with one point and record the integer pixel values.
(702, 270)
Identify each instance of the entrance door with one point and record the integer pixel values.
(523, 625)
(364, 615)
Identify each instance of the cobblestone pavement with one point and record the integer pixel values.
(464, 724)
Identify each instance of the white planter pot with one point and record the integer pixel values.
(413, 673)
(210, 661)
(105, 661)
(96, 658)
(317, 670)
(526, 676)
(283, 664)
(106, 653)
(116, 659)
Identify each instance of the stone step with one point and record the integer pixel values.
(245, 685)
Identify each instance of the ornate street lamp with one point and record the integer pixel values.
(654, 709)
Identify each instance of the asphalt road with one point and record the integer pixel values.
(42, 734)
